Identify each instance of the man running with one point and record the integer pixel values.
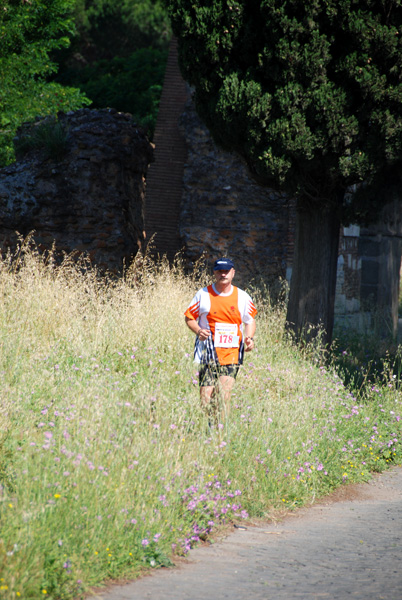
(222, 317)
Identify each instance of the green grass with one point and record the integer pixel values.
(107, 467)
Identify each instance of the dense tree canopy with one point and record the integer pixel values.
(107, 28)
(310, 94)
(118, 55)
(29, 32)
(130, 84)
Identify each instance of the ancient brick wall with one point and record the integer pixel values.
(368, 277)
(165, 176)
(91, 200)
(349, 272)
(224, 212)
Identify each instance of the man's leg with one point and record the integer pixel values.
(209, 403)
(226, 385)
(208, 381)
(216, 389)
(206, 394)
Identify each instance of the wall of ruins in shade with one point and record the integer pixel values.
(91, 201)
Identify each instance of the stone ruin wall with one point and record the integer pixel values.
(368, 278)
(348, 273)
(225, 212)
(91, 201)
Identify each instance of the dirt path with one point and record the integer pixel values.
(347, 546)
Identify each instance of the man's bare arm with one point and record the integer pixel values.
(192, 324)
(249, 331)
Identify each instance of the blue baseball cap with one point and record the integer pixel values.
(223, 264)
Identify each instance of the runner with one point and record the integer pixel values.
(222, 317)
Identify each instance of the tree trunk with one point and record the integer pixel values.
(313, 282)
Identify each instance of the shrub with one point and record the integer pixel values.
(130, 84)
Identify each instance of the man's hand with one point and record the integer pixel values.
(249, 332)
(248, 344)
(203, 334)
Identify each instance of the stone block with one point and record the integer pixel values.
(369, 247)
(370, 272)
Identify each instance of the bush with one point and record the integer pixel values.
(130, 84)
(29, 33)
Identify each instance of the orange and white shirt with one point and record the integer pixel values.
(224, 315)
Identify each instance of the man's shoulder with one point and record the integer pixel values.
(201, 293)
(242, 292)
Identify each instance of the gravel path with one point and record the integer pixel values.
(347, 546)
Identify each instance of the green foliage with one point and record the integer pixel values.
(118, 56)
(28, 33)
(364, 358)
(308, 92)
(130, 84)
(107, 28)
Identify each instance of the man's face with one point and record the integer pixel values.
(224, 276)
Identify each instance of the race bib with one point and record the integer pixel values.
(226, 335)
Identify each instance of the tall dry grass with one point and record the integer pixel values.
(107, 466)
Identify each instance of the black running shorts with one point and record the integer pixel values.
(210, 373)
